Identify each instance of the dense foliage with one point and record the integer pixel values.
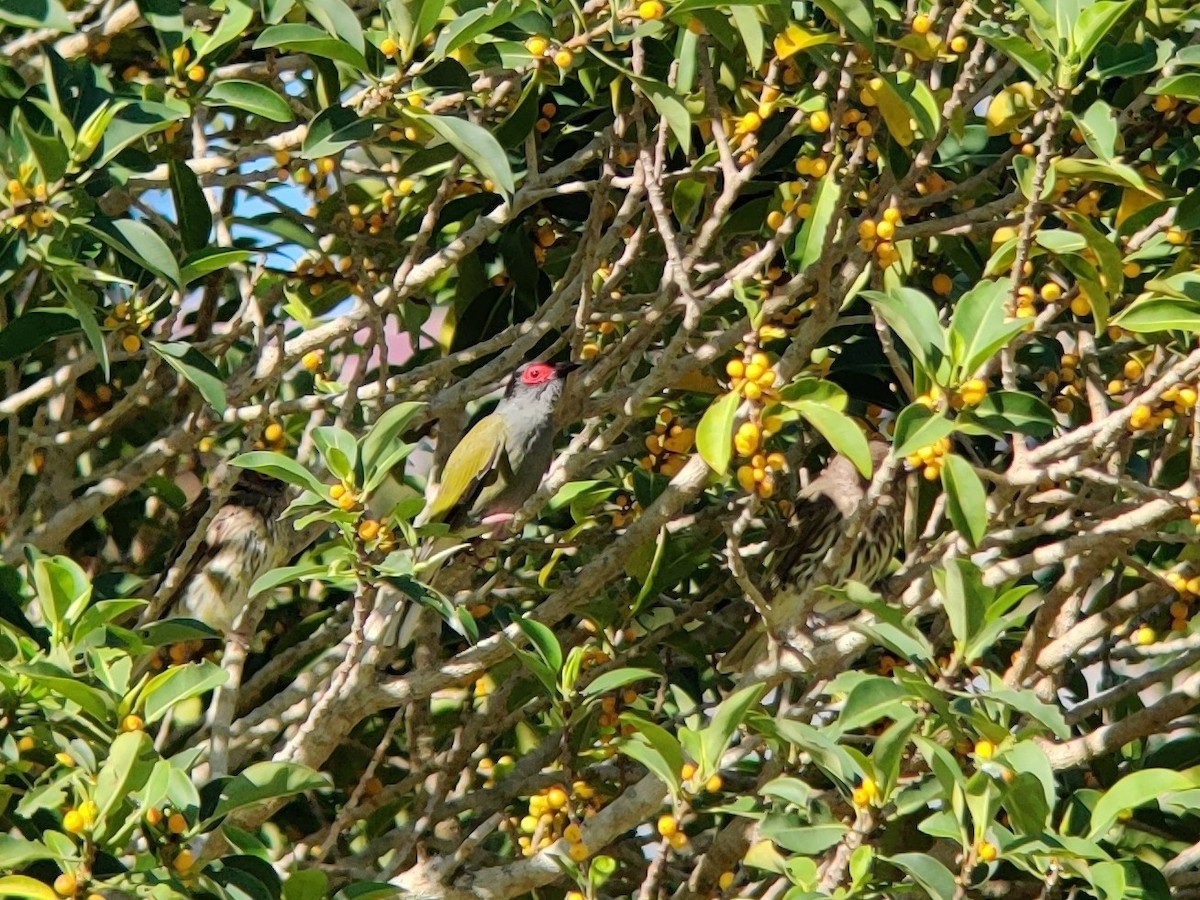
(303, 237)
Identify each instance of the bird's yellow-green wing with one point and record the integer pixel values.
(475, 456)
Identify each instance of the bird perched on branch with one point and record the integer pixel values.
(815, 526)
(501, 461)
(237, 548)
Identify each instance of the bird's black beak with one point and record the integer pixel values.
(565, 368)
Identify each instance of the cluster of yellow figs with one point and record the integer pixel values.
(1177, 400)
(930, 459)
(31, 199)
(866, 794)
(668, 446)
(67, 885)
(594, 340)
(550, 817)
(539, 46)
(876, 236)
(131, 318)
(80, 819)
(1187, 588)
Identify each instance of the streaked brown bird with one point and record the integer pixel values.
(815, 526)
(238, 547)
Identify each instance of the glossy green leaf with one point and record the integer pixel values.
(191, 364)
(840, 430)
(1154, 314)
(191, 209)
(933, 877)
(179, 683)
(914, 318)
(267, 781)
(1006, 412)
(205, 262)
(301, 38)
(857, 17)
(251, 97)
(478, 146)
(282, 467)
(655, 748)
(1138, 789)
(810, 240)
(979, 326)
(918, 426)
(714, 434)
(965, 498)
(140, 243)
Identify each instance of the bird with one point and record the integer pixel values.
(814, 527)
(501, 461)
(237, 548)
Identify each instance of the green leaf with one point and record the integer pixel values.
(1092, 24)
(810, 241)
(1137, 789)
(1098, 170)
(206, 261)
(1034, 60)
(310, 40)
(964, 598)
(34, 328)
(670, 108)
(872, 699)
(931, 875)
(165, 17)
(87, 319)
(305, 884)
(334, 129)
(543, 641)
(978, 329)
(195, 218)
(966, 498)
(16, 853)
(251, 97)
(726, 718)
(63, 591)
(282, 467)
(282, 575)
(748, 25)
(841, 431)
(140, 243)
(714, 434)
(130, 761)
(857, 17)
(1153, 314)
(385, 433)
(267, 781)
(237, 18)
(96, 703)
(36, 14)
(198, 371)
(339, 450)
(23, 886)
(1109, 257)
(1098, 124)
(478, 145)
(1183, 87)
(339, 20)
(655, 748)
(179, 683)
(1006, 412)
(918, 426)
(802, 840)
(914, 318)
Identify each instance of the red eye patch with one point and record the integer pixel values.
(537, 373)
